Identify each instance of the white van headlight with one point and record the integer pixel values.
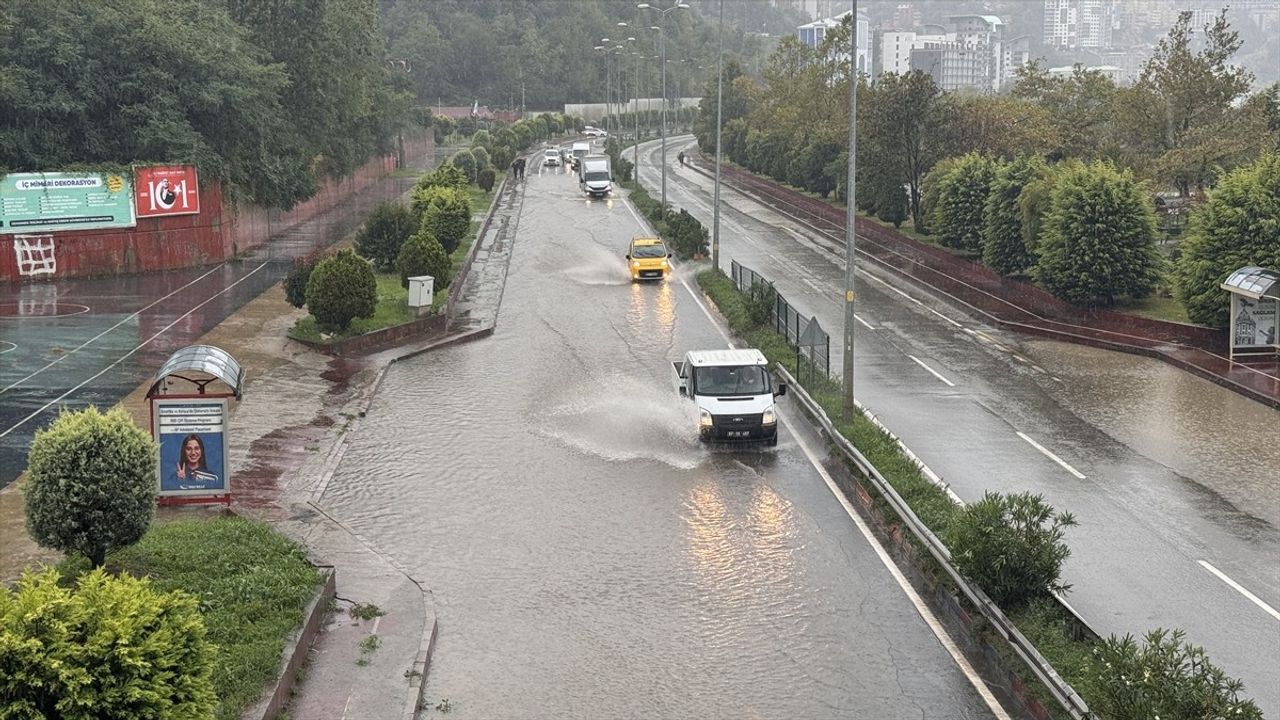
(768, 418)
(704, 418)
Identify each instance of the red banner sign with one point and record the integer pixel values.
(166, 190)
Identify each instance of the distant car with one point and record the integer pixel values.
(551, 157)
(647, 259)
(590, 131)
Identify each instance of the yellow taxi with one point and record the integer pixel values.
(647, 259)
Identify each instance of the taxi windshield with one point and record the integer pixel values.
(649, 251)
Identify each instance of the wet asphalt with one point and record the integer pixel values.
(1170, 476)
(586, 556)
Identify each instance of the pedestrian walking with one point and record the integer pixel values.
(680, 157)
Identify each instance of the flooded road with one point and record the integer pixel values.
(1175, 481)
(587, 557)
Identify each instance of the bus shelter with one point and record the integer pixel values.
(188, 398)
(1255, 304)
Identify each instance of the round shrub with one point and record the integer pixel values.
(447, 217)
(501, 157)
(482, 139)
(112, 647)
(422, 254)
(342, 288)
(444, 176)
(686, 235)
(91, 483)
(295, 283)
(1011, 546)
(465, 161)
(485, 179)
(381, 236)
(482, 158)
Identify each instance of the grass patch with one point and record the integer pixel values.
(392, 308)
(252, 584)
(1157, 308)
(1045, 623)
(479, 199)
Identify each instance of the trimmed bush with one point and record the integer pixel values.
(381, 236)
(501, 158)
(342, 288)
(1003, 247)
(1099, 238)
(485, 179)
(761, 300)
(446, 175)
(1165, 678)
(1011, 546)
(482, 159)
(446, 215)
(482, 138)
(465, 161)
(422, 254)
(295, 283)
(962, 201)
(686, 235)
(112, 647)
(91, 483)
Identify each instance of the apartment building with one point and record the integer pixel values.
(812, 34)
(1073, 24)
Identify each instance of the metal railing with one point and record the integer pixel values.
(1061, 690)
(788, 321)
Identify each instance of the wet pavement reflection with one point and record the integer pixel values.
(587, 557)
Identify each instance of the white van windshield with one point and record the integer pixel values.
(596, 176)
(719, 380)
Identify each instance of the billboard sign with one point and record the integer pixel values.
(166, 190)
(55, 201)
(1254, 322)
(193, 446)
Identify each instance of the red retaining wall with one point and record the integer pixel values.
(221, 230)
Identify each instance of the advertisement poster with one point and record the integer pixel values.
(166, 190)
(1255, 322)
(193, 446)
(50, 202)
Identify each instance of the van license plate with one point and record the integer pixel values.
(738, 433)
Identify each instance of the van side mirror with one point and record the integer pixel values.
(627, 257)
(782, 390)
(684, 391)
(673, 254)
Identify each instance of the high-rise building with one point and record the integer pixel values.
(896, 47)
(1078, 23)
(812, 34)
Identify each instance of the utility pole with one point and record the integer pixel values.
(635, 149)
(715, 223)
(850, 216)
(663, 35)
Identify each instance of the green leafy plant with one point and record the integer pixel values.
(295, 283)
(446, 175)
(422, 254)
(446, 215)
(962, 200)
(1164, 678)
(382, 234)
(685, 234)
(111, 647)
(482, 159)
(341, 288)
(1003, 247)
(761, 299)
(91, 483)
(365, 611)
(485, 179)
(1011, 546)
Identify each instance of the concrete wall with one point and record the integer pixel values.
(592, 112)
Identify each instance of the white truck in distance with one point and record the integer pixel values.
(734, 394)
(594, 175)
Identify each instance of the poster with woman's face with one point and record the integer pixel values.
(192, 446)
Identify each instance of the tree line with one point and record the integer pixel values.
(1005, 177)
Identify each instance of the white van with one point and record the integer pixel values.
(580, 150)
(734, 394)
(594, 176)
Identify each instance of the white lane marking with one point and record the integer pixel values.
(1021, 359)
(1050, 455)
(930, 619)
(865, 324)
(933, 372)
(903, 294)
(91, 340)
(135, 349)
(1241, 589)
(944, 317)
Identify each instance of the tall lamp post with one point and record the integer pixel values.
(850, 215)
(715, 221)
(662, 34)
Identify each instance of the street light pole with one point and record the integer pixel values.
(850, 216)
(635, 149)
(715, 222)
(662, 35)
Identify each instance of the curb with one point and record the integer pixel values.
(295, 651)
(420, 665)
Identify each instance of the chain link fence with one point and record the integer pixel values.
(813, 345)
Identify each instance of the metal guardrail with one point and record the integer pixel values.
(1026, 652)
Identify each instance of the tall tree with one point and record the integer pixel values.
(962, 202)
(1180, 98)
(1237, 227)
(903, 119)
(1080, 107)
(1099, 238)
(1003, 248)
